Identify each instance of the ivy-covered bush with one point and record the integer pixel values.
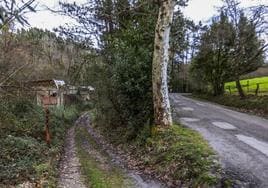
(122, 76)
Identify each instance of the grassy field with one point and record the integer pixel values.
(250, 86)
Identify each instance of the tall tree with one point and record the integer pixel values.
(14, 10)
(10, 13)
(248, 50)
(178, 45)
(248, 53)
(162, 111)
(123, 64)
(211, 64)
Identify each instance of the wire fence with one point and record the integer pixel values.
(249, 88)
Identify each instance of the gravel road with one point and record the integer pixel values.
(240, 140)
(70, 176)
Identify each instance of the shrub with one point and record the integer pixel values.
(18, 156)
(174, 154)
(180, 154)
(24, 153)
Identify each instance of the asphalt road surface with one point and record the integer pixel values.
(239, 139)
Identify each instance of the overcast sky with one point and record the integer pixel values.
(196, 10)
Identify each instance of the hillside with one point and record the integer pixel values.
(262, 71)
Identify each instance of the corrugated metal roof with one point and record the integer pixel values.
(59, 83)
(49, 82)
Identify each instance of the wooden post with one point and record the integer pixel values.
(47, 133)
(248, 86)
(229, 87)
(257, 89)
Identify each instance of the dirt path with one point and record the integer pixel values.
(132, 178)
(70, 176)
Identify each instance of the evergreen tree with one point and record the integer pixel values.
(211, 63)
(248, 50)
(248, 53)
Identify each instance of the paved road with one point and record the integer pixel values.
(241, 140)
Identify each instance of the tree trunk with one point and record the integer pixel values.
(240, 89)
(162, 111)
(218, 88)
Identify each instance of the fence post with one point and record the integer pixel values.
(257, 89)
(47, 133)
(229, 87)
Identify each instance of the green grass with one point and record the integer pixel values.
(96, 166)
(175, 154)
(250, 85)
(257, 105)
(182, 154)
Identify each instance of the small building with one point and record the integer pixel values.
(49, 92)
(84, 92)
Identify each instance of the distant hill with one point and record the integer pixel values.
(262, 71)
(41, 54)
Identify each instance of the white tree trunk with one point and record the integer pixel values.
(162, 111)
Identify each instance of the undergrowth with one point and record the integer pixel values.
(182, 155)
(24, 154)
(176, 155)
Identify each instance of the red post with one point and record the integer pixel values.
(47, 133)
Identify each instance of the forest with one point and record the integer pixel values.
(134, 54)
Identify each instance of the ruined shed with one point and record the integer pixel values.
(84, 92)
(49, 92)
